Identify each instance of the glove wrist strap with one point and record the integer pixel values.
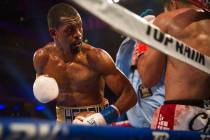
(110, 114)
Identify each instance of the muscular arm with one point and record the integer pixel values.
(151, 64)
(116, 81)
(43, 82)
(39, 60)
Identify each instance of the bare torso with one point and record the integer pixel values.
(79, 84)
(183, 81)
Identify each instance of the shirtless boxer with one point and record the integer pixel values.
(79, 71)
(187, 89)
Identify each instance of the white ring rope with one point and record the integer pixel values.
(132, 25)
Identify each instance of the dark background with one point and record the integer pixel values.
(23, 29)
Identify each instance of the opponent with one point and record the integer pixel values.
(74, 73)
(187, 89)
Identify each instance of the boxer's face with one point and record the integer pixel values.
(69, 33)
(171, 5)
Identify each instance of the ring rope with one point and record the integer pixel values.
(134, 26)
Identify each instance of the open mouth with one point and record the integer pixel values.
(74, 47)
(77, 43)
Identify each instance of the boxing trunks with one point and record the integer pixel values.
(183, 115)
(68, 114)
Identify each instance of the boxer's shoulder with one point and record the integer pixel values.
(99, 55)
(93, 52)
(98, 58)
(88, 48)
(50, 47)
(40, 54)
(46, 50)
(163, 20)
(40, 58)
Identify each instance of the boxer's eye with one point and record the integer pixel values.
(69, 30)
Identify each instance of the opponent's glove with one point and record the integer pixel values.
(141, 47)
(45, 89)
(106, 116)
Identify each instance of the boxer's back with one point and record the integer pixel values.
(183, 81)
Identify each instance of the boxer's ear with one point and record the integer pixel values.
(52, 32)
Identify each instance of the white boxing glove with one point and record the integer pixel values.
(106, 116)
(45, 89)
(95, 119)
(78, 120)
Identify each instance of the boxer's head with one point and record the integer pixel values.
(65, 26)
(175, 4)
(170, 5)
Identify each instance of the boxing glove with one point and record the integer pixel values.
(45, 89)
(106, 116)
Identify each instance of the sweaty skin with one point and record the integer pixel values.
(182, 81)
(81, 70)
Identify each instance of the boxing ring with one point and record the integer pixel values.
(28, 129)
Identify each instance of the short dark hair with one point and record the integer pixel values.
(60, 10)
(165, 2)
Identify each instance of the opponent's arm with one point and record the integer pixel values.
(151, 64)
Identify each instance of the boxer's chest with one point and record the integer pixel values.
(79, 73)
(76, 72)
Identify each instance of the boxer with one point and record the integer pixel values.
(186, 88)
(74, 73)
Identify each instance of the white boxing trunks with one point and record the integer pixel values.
(68, 114)
(172, 116)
